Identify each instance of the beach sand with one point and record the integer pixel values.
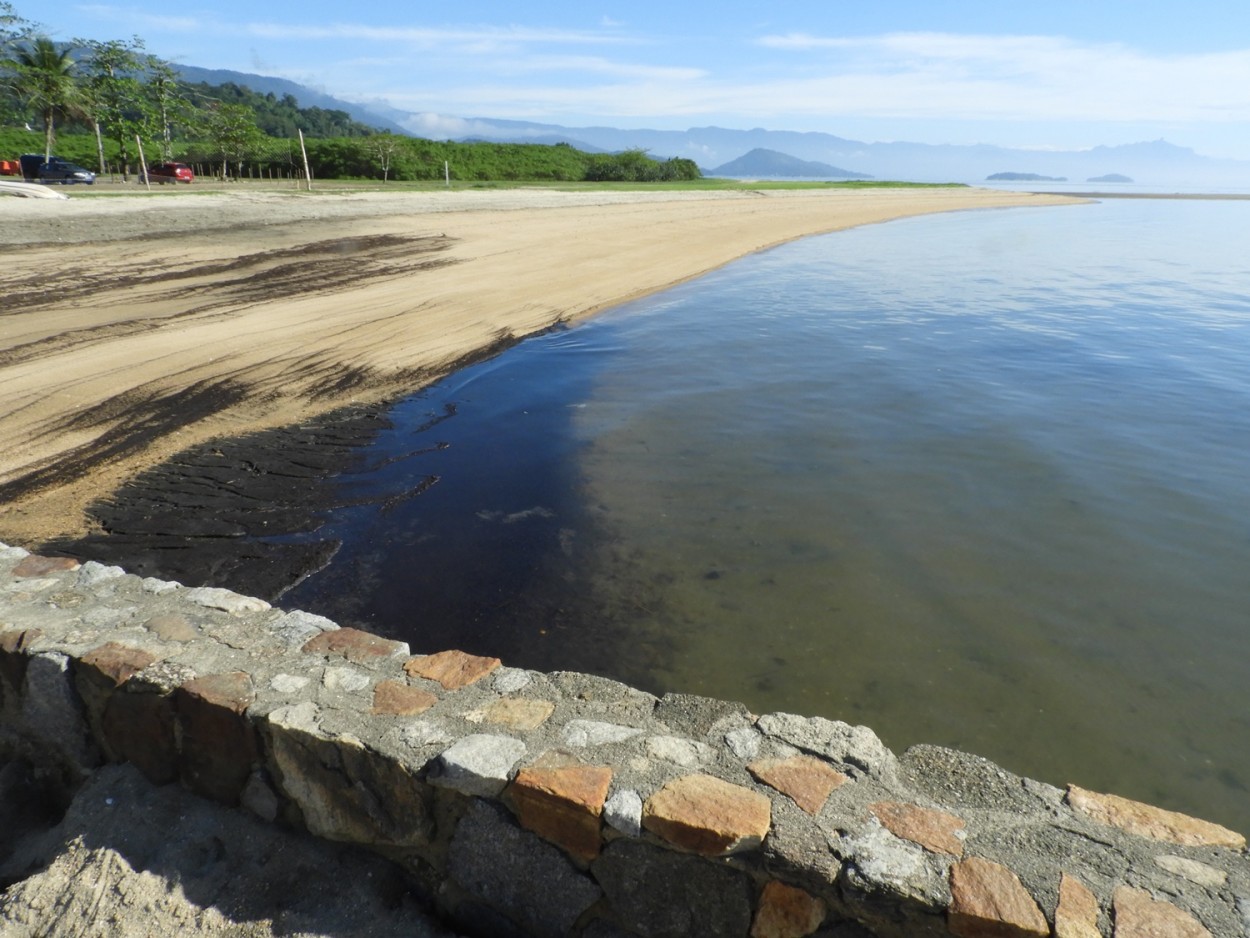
(132, 327)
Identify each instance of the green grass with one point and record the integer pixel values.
(754, 185)
(106, 189)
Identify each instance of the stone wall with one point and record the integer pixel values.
(524, 803)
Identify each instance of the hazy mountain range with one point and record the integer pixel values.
(1156, 163)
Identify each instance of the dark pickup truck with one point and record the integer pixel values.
(36, 169)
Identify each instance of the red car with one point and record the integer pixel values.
(168, 172)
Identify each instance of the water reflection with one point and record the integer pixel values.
(973, 480)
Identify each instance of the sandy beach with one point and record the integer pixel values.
(133, 327)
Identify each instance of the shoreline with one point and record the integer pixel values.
(1181, 196)
(134, 328)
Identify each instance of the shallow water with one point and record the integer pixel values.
(980, 480)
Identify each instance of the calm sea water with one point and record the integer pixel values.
(980, 480)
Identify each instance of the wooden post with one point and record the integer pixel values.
(99, 145)
(303, 150)
(447, 172)
(143, 164)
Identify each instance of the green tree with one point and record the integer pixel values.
(14, 30)
(232, 132)
(43, 77)
(164, 104)
(113, 95)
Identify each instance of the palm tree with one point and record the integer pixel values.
(44, 79)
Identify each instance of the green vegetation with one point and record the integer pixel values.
(89, 100)
(279, 117)
(386, 156)
(43, 77)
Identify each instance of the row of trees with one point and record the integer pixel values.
(114, 91)
(390, 156)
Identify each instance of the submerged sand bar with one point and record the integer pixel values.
(132, 327)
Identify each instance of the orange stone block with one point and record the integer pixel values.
(934, 830)
(1146, 820)
(989, 901)
(1077, 913)
(34, 565)
(787, 912)
(708, 816)
(806, 779)
(352, 644)
(395, 698)
(218, 743)
(563, 805)
(452, 669)
(1140, 915)
(117, 662)
(519, 713)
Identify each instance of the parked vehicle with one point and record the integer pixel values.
(10, 168)
(168, 172)
(36, 169)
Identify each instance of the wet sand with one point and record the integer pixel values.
(134, 327)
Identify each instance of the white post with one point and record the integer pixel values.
(447, 173)
(303, 150)
(143, 164)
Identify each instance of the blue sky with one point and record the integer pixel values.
(1055, 74)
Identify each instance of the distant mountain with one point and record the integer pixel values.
(1024, 177)
(306, 96)
(770, 163)
(1110, 177)
(1154, 163)
(550, 141)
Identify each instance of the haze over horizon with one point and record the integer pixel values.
(1061, 75)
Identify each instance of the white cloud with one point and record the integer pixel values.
(595, 65)
(442, 127)
(1013, 78)
(484, 38)
(476, 38)
(800, 80)
(900, 77)
(140, 18)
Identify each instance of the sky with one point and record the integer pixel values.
(1048, 75)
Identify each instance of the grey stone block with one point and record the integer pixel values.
(518, 873)
(694, 715)
(661, 894)
(52, 717)
(580, 733)
(623, 811)
(478, 764)
(855, 746)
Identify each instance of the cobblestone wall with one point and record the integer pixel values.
(564, 804)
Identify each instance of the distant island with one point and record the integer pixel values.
(1025, 177)
(761, 162)
(1110, 177)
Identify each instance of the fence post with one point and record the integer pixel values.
(143, 164)
(304, 151)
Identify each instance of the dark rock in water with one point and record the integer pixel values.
(223, 513)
